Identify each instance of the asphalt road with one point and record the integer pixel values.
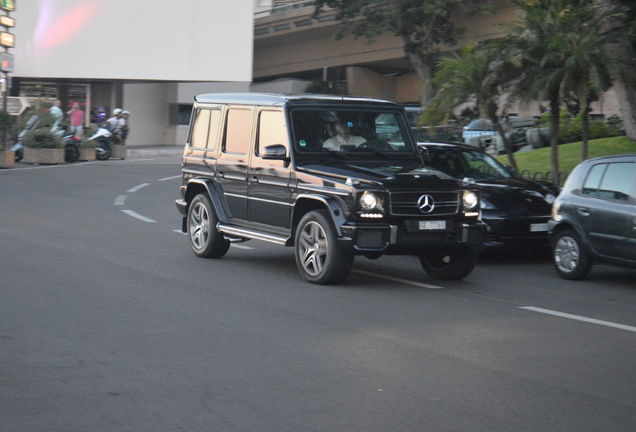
(108, 322)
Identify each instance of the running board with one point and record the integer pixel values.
(246, 233)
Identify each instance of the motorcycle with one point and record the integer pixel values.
(104, 137)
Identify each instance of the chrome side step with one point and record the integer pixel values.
(246, 233)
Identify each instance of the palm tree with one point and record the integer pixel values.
(477, 74)
(565, 50)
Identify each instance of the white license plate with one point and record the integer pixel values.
(538, 227)
(432, 225)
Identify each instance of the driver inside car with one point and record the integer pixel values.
(343, 139)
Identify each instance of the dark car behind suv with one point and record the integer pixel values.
(320, 174)
(594, 217)
(515, 209)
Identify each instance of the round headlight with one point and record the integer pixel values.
(368, 201)
(470, 200)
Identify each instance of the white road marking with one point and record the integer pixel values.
(136, 188)
(394, 279)
(169, 178)
(120, 200)
(138, 216)
(580, 318)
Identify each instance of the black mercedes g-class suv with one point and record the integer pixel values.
(334, 177)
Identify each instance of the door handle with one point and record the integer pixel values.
(220, 174)
(583, 211)
(253, 179)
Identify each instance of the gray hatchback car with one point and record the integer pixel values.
(594, 217)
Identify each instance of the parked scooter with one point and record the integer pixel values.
(18, 147)
(72, 144)
(104, 137)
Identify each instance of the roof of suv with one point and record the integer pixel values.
(282, 99)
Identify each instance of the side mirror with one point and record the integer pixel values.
(276, 151)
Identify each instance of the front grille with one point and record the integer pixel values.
(406, 203)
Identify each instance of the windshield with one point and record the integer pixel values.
(351, 132)
(460, 163)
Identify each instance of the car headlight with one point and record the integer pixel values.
(371, 205)
(369, 201)
(471, 200)
(549, 198)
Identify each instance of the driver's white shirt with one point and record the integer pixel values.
(338, 141)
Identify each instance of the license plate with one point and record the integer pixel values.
(538, 227)
(432, 225)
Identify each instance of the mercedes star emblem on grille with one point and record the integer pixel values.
(426, 203)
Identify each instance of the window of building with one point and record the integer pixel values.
(179, 114)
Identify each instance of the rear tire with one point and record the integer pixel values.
(205, 240)
(453, 265)
(71, 153)
(569, 257)
(318, 257)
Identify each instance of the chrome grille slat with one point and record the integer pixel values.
(405, 203)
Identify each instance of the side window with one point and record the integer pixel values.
(238, 131)
(200, 128)
(272, 129)
(617, 181)
(215, 126)
(593, 180)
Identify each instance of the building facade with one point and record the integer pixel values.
(149, 57)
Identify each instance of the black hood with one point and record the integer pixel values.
(399, 173)
(515, 191)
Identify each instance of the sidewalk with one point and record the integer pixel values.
(154, 150)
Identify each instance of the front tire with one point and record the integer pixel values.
(103, 151)
(318, 257)
(205, 240)
(569, 257)
(452, 265)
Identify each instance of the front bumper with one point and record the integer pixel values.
(405, 238)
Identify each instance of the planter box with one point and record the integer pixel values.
(7, 159)
(44, 156)
(119, 152)
(87, 154)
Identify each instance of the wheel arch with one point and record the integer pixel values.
(209, 187)
(309, 202)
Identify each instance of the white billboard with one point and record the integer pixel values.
(177, 40)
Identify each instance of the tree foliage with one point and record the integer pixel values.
(479, 74)
(424, 26)
(564, 45)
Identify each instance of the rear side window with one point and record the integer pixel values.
(200, 128)
(205, 128)
(611, 181)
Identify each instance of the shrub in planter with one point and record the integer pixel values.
(43, 147)
(42, 138)
(87, 150)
